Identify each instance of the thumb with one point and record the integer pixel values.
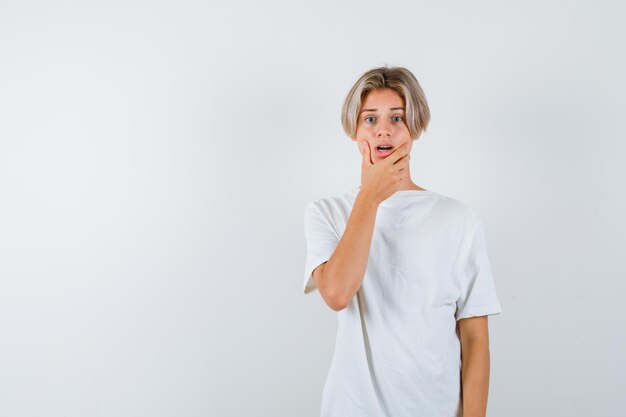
(366, 153)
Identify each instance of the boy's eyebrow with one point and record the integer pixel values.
(393, 108)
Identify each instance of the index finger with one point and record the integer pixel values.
(397, 154)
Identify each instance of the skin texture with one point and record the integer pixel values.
(474, 336)
(341, 276)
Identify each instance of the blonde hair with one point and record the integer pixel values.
(398, 79)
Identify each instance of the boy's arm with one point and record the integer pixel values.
(340, 277)
(474, 336)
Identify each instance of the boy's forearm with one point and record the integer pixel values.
(475, 377)
(344, 271)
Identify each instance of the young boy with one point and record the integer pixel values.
(405, 268)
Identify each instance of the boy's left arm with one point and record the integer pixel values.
(474, 336)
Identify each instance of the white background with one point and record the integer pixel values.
(156, 159)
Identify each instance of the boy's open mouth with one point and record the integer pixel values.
(384, 150)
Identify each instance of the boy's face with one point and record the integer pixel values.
(382, 122)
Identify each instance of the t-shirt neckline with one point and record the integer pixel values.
(400, 194)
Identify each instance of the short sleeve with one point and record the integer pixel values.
(321, 241)
(477, 291)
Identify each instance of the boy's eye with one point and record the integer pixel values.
(369, 117)
(397, 118)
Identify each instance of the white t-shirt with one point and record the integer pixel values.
(397, 352)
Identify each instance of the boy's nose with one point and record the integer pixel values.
(383, 130)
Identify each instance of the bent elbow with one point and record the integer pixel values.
(334, 297)
(333, 301)
(337, 304)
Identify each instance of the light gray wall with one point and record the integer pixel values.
(156, 159)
